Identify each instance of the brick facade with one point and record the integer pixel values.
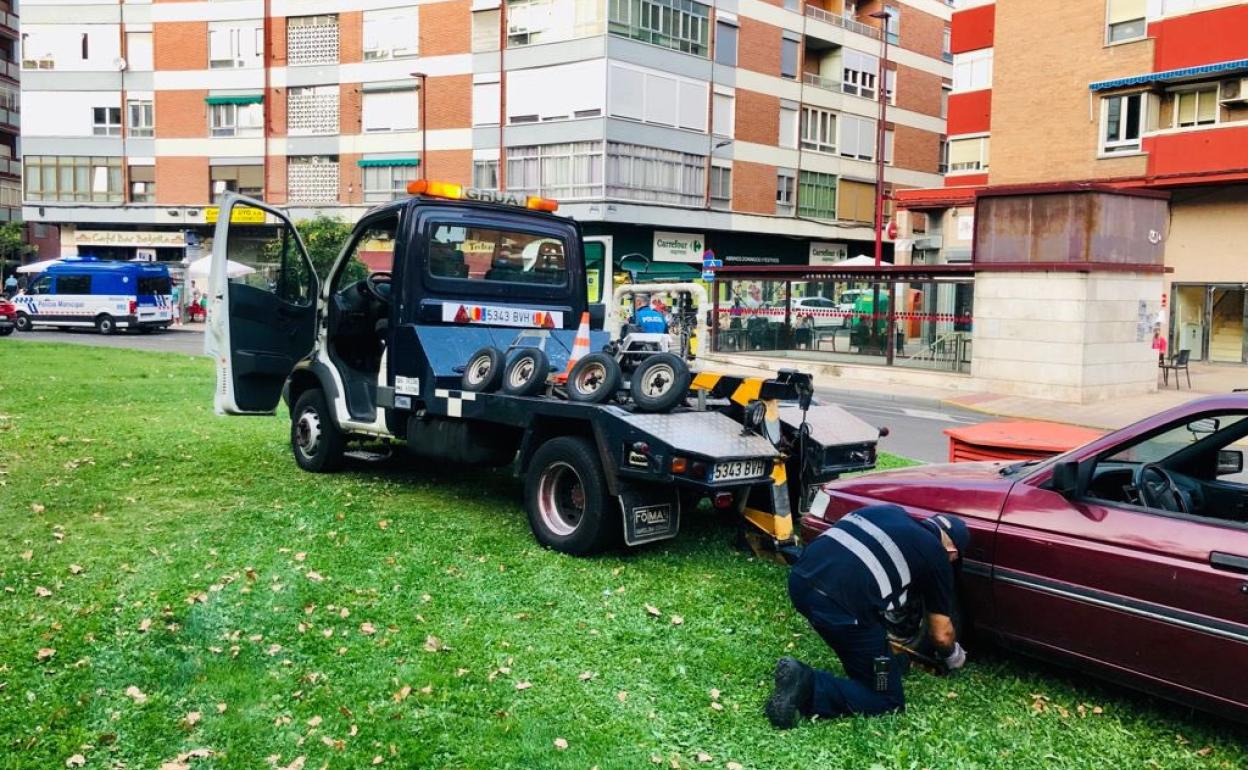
(918, 91)
(450, 166)
(758, 47)
(275, 184)
(445, 28)
(915, 149)
(449, 102)
(753, 187)
(182, 180)
(350, 109)
(758, 117)
(351, 37)
(180, 114)
(180, 45)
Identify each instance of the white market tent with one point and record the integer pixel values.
(859, 261)
(203, 266)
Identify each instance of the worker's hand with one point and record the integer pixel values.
(956, 659)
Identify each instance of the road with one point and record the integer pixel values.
(916, 427)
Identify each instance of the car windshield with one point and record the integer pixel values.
(1162, 445)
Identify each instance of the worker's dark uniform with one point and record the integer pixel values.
(844, 581)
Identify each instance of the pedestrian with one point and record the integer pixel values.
(1159, 343)
(869, 561)
(10, 285)
(651, 319)
(176, 300)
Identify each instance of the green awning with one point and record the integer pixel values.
(645, 270)
(367, 162)
(245, 99)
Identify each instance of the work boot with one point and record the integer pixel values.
(791, 696)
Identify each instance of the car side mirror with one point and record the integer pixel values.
(1230, 461)
(1066, 478)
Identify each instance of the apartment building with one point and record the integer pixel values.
(1131, 94)
(669, 126)
(10, 120)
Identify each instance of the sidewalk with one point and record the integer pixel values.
(1207, 379)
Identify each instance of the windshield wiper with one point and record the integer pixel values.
(1013, 468)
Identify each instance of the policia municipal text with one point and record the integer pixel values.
(844, 581)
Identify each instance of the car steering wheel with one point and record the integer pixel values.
(1157, 489)
(373, 283)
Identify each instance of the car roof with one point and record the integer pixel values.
(105, 266)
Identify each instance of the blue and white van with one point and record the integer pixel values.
(95, 293)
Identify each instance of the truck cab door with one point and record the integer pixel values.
(263, 314)
(598, 280)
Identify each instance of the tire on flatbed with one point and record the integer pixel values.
(660, 382)
(315, 439)
(526, 374)
(594, 379)
(484, 371)
(565, 494)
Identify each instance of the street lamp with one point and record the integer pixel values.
(420, 86)
(881, 88)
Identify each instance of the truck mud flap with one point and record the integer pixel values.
(651, 512)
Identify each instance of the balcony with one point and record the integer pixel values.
(837, 20)
(819, 81)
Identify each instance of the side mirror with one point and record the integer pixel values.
(1230, 461)
(1204, 427)
(1066, 478)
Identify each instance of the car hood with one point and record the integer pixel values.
(971, 489)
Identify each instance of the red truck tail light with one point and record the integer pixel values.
(134, 307)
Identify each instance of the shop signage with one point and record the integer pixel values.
(140, 238)
(678, 247)
(239, 215)
(825, 253)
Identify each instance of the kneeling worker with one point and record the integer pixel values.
(842, 583)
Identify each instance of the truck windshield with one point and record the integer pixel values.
(488, 254)
(155, 285)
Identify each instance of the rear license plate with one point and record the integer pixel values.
(738, 469)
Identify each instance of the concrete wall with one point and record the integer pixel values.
(1065, 336)
(1206, 239)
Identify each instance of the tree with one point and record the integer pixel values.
(13, 245)
(324, 238)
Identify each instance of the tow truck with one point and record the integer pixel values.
(379, 352)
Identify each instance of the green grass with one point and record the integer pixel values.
(127, 500)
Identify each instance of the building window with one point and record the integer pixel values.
(723, 114)
(1196, 108)
(818, 130)
(312, 39)
(944, 101)
(968, 154)
(856, 201)
(235, 44)
(244, 180)
(142, 121)
(312, 110)
(312, 178)
(106, 121)
(892, 24)
(816, 195)
(485, 103)
(530, 22)
(857, 137)
(1122, 118)
(646, 95)
(946, 45)
(890, 86)
(786, 184)
(142, 184)
(972, 71)
(788, 127)
(888, 146)
(485, 29)
(387, 183)
(391, 33)
(788, 58)
(859, 73)
(390, 110)
(682, 25)
(236, 119)
(562, 171)
(1125, 20)
(944, 156)
(725, 43)
(485, 174)
(642, 173)
(73, 178)
(139, 51)
(721, 187)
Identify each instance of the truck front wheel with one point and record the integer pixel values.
(568, 505)
(315, 439)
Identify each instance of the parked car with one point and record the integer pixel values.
(8, 317)
(1126, 557)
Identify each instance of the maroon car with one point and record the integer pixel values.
(1127, 557)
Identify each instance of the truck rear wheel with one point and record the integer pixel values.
(567, 501)
(315, 439)
(484, 372)
(104, 324)
(594, 379)
(660, 382)
(526, 374)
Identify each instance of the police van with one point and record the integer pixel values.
(96, 293)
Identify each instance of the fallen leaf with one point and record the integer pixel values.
(402, 694)
(461, 671)
(1206, 751)
(621, 696)
(45, 653)
(383, 524)
(42, 592)
(37, 507)
(192, 718)
(76, 760)
(523, 685)
(300, 556)
(295, 765)
(702, 756)
(951, 695)
(315, 577)
(714, 694)
(426, 690)
(717, 706)
(137, 695)
(434, 644)
(1098, 710)
(734, 766)
(28, 555)
(654, 611)
(377, 760)
(315, 721)
(221, 707)
(585, 676)
(561, 744)
(368, 629)
(677, 620)
(145, 624)
(75, 569)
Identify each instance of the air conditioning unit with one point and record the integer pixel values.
(1234, 91)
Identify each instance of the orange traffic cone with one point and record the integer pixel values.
(580, 348)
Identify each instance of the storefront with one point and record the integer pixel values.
(124, 245)
(1209, 320)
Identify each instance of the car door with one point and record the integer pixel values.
(264, 314)
(1158, 598)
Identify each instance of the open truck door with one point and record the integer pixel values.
(263, 305)
(599, 270)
